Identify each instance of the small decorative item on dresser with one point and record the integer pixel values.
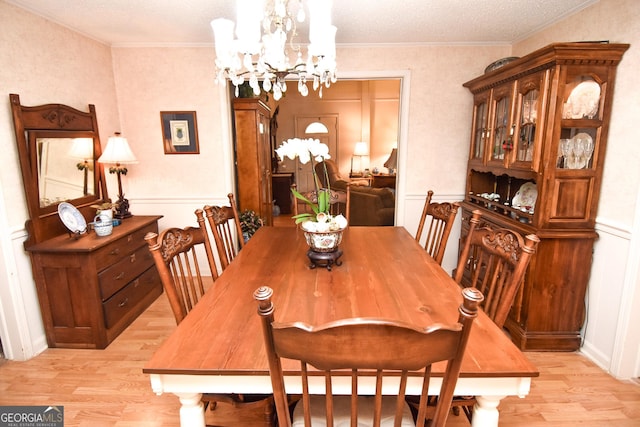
(72, 219)
(103, 224)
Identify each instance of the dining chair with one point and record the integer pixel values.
(340, 201)
(440, 218)
(174, 252)
(360, 351)
(494, 261)
(224, 223)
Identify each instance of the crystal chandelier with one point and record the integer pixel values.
(268, 58)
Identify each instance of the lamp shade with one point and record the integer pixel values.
(82, 148)
(316, 127)
(117, 151)
(361, 149)
(392, 161)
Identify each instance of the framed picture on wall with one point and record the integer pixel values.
(179, 132)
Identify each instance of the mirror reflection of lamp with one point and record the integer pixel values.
(82, 148)
(360, 150)
(119, 153)
(392, 162)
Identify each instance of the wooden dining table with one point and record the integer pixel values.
(218, 347)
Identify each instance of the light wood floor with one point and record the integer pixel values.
(107, 387)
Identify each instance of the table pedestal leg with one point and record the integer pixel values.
(192, 410)
(485, 411)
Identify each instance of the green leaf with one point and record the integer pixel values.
(323, 201)
(303, 217)
(299, 196)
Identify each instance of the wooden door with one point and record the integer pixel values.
(304, 175)
(264, 167)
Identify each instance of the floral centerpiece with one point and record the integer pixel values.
(320, 219)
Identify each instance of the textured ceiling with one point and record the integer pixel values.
(170, 22)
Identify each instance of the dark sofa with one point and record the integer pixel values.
(369, 206)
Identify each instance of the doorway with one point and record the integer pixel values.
(286, 128)
(304, 172)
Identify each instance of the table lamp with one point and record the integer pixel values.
(119, 153)
(82, 148)
(392, 161)
(361, 149)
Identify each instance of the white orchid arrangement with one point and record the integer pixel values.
(310, 150)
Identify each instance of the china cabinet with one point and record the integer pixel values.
(538, 143)
(251, 122)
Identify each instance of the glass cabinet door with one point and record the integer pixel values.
(581, 121)
(526, 136)
(529, 114)
(576, 148)
(502, 124)
(480, 131)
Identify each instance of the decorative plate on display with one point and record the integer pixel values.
(500, 63)
(583, 100)
(526, 196)
(72, 218)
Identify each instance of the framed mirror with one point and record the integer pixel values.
(58, 147)
(64, 168)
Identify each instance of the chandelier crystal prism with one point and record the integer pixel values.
(276, 55)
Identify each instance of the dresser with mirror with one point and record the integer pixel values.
(90, 287)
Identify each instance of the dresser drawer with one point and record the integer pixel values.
(114, 278)
(104, 257)
(123, 301)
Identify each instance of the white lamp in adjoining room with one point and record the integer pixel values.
(392, 162)
(360, 150)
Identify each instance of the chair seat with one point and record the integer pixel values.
(342, 412)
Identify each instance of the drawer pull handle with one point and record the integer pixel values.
(136, 283)
(115, 251)
(130, 238)
(123, 302)
(132, 258)
(120, 276)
